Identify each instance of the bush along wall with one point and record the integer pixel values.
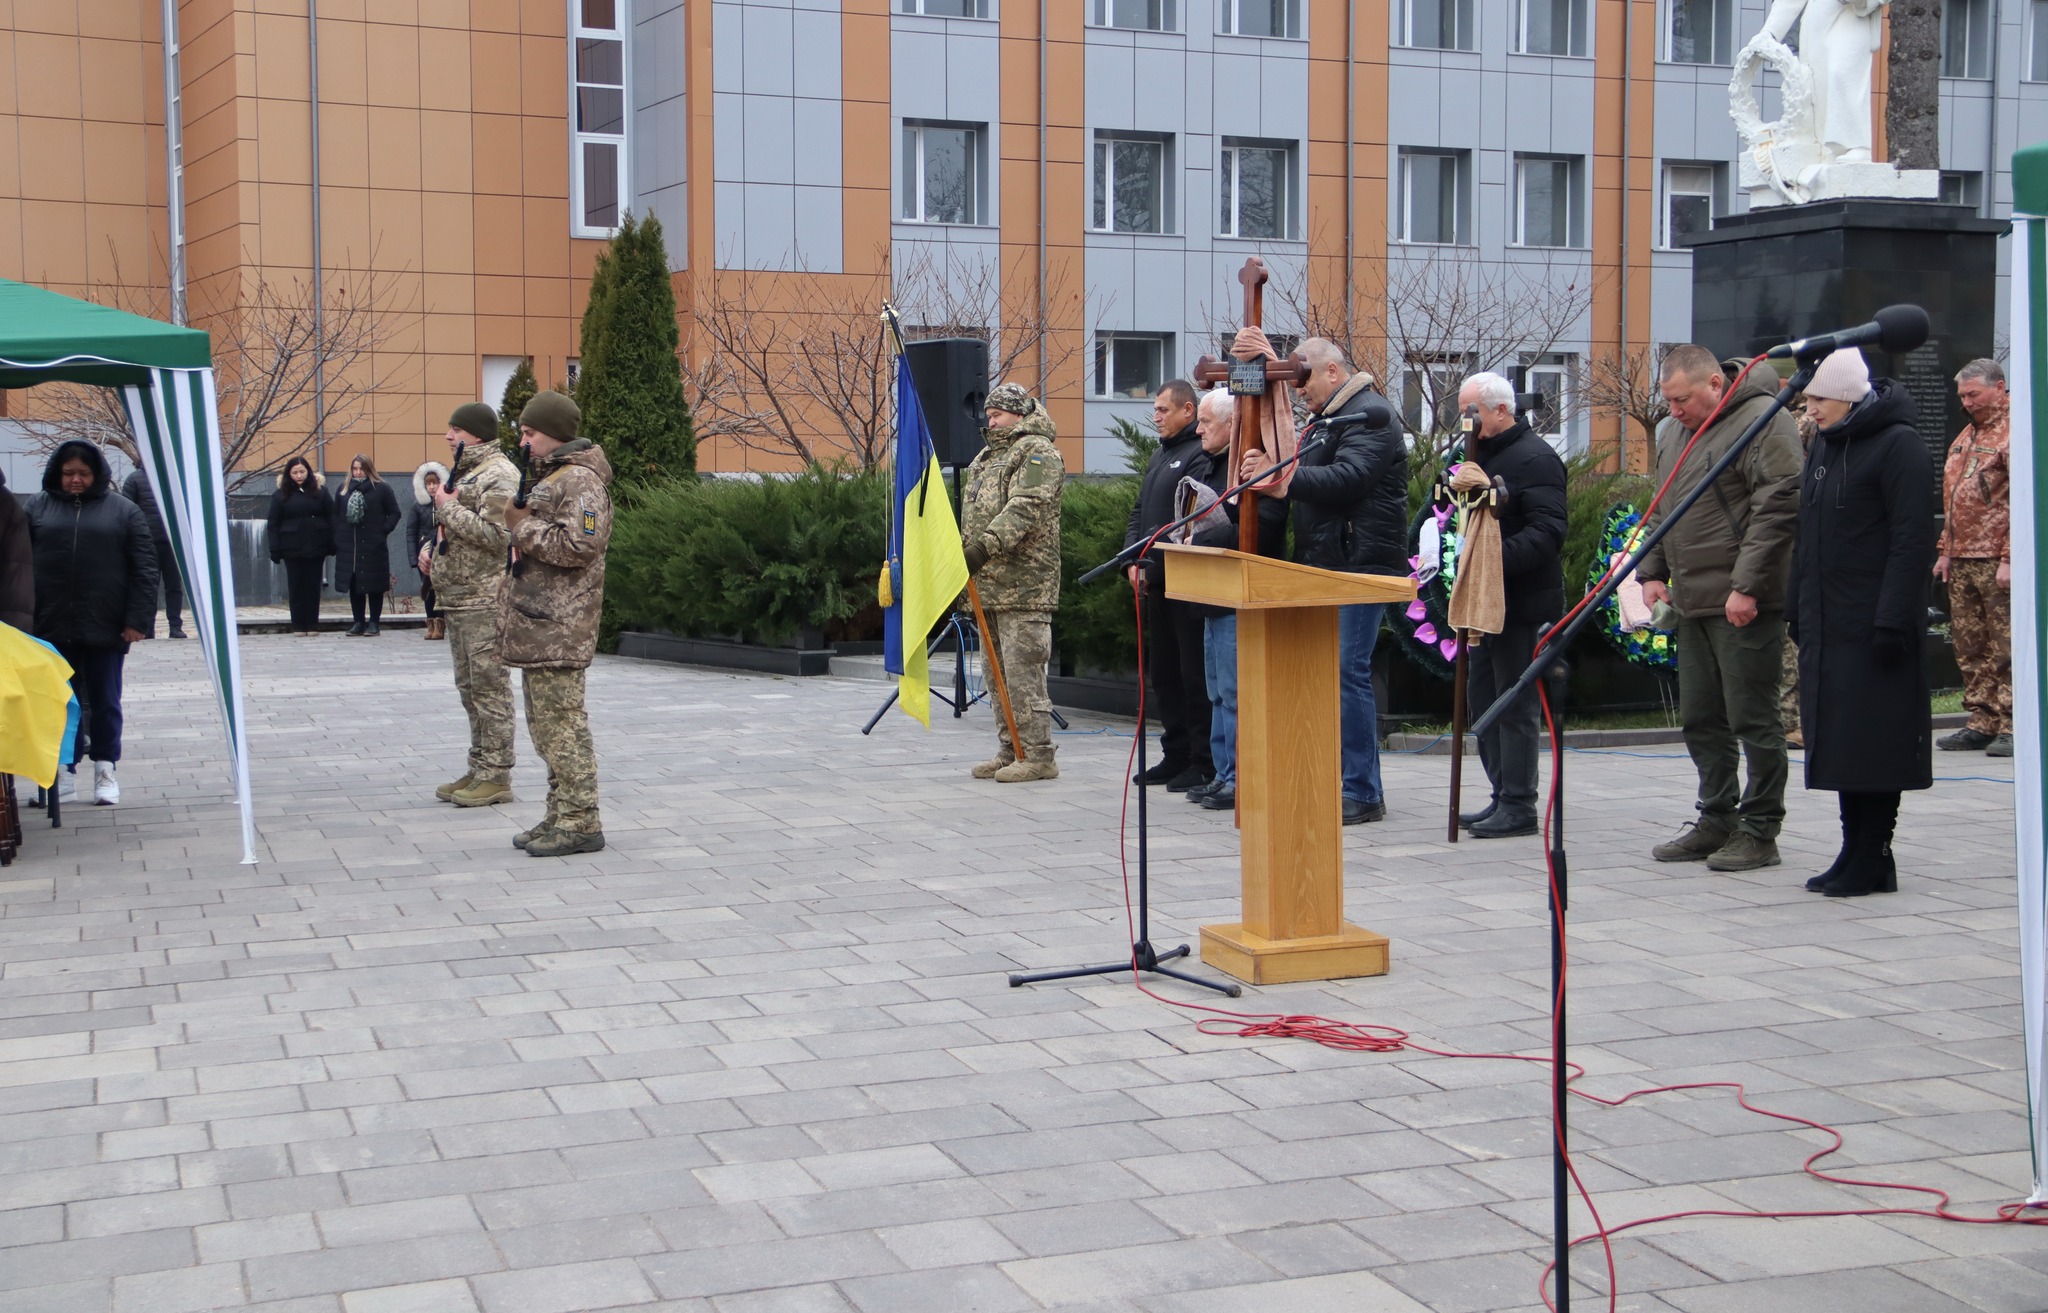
(1095, 629)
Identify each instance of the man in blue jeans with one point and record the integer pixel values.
(1349, 499)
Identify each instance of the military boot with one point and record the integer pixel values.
(1698, 841)
(560, 843)
(987, 769)
(483, 793)
(447, 792)
(1027, 770)
(525, 837)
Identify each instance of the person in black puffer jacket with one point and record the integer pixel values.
(365, 513)
(96, 586)
(1350, 508)
(1858, 606)
(136, 489)
(1532, 528)
(302, 538)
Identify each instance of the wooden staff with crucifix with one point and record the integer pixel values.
(1248, 381)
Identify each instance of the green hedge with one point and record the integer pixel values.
(1093, 629)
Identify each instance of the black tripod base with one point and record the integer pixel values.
(1144, 958)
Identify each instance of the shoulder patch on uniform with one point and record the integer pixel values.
(590, 522)
(1036, 472)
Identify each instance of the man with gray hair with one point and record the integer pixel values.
(1532, 519)
(1723, 568)
(1976, 560)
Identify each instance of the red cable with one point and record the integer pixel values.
(1370, 1037)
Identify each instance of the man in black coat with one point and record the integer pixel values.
(1349, 496)
(1179, 694)
(136, 489)
(1532, 527)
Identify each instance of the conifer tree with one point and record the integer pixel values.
(630, 384)
(519, 389)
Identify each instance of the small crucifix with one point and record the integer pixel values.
(1248, 381)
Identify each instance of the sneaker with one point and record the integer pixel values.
(1358, 813)
(1698, 841)
(482, 793)
(106, 790)
(447, 792)
(67, 786)
(987, 769)
(1744, 852)
(560, 843)
(1965, 740)
(525, 837)
(1221, 800)
(1509, 822)
(1018, 771)
(1158, 774)
(2000, 746)
(1191, 778)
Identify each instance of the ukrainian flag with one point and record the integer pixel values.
(927, 568)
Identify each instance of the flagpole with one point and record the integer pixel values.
(995, 669)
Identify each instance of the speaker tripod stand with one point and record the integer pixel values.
(963, 637)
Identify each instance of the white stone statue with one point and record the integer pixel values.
(1819, 146)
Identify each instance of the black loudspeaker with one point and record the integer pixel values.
(952, 381)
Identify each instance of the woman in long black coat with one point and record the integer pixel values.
(365, 513)
(302, 538)
(1858, 605)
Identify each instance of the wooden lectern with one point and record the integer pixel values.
(1289, 800)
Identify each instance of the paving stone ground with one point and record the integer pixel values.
(760, 1053)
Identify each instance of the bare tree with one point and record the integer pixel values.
(1625, 384)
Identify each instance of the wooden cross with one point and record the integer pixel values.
(1248, 381)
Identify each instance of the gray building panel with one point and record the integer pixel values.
(660, 131)
(818, 129)
(768, 135)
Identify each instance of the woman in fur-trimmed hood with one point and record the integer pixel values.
(419, 530)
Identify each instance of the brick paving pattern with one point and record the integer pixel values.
(760, 1053)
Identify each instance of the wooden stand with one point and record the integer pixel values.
(1290, 803)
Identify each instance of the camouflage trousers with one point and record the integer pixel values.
(1788, 688)
(1023, 644)
(560, 730)
(486, 690)
(1980, 622)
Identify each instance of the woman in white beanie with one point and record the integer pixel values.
(1858, 607)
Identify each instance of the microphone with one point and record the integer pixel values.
(1896, 330)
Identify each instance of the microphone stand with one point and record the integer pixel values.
(1552, 648)
(1143, 956)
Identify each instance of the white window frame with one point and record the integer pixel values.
(1102, 13)
(1228, 16)
(1445, 370)
(621, 14)
(1668, 37)
(1581, 35)
(1969, 182)
(2036, 68)
(1227, 165)
(1467, 38)
(1104, 365)
(1564, 368)
(1667, 191)
(977, 157)
(917, 8)
(1575, 209)
(1104, 195)
(1461, 219)
(1979, 62)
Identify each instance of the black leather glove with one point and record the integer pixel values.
(977, 557)
(1888, 649)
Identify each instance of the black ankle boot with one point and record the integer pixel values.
(1871, 869)
(1850, 817)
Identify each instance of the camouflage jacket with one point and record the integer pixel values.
(471, 560)
(1977, 496)
(548, 611)
(1011, 508)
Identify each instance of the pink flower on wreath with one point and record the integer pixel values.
(1426, 634)
(1417, 611)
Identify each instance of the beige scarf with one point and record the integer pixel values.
(1276, 417)
(1479, 601)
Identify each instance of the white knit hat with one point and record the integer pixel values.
(1841, 377)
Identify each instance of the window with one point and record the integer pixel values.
(1962, 189)
(1549, 376)
(1130, 185)
(1700, 32)
(1130, 364)
(1966, 38)
(1691, 199)
(1433, 205)
(1547, 200)
(1139, 15)
(598, 117)
(941, 173)
(1437, 24)
(1259, 17)
(2037, 63)
(1255, 183)
(1552, 27)
(1429, 392)
(946, 8)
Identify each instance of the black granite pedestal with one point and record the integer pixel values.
(1768, 276)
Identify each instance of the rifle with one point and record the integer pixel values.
(512, 563)
(454, 477)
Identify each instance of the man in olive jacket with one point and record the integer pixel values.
(548, 609)
(1723, 569)
(1010, 532)
(467, 562)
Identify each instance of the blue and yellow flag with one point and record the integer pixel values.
(927, 568)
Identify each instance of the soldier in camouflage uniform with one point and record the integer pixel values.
(548, 610)
(1010, 526)
(466, 563)
(1976, 559)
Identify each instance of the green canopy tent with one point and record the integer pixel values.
(165, 375)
